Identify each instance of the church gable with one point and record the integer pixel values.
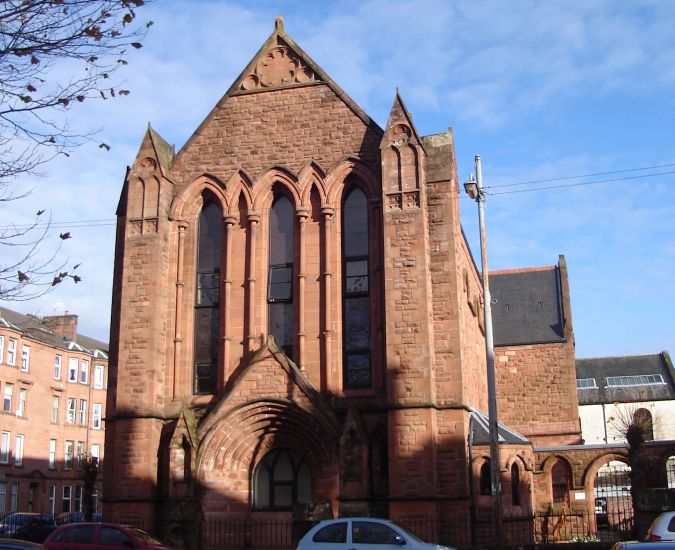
(278, 66)
(283, 110)
(269, 377)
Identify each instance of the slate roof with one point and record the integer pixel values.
(527, 307)
(33, 328)
(480, 424)
(602, 367)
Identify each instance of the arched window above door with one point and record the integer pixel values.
(281, 480)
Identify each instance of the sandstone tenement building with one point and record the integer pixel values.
(53, 388)
(297, 325)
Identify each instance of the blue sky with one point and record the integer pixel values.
(541, 90)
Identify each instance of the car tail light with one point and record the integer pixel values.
(653, 537)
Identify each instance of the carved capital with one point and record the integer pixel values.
(230, 220)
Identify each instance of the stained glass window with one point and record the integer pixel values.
(356, 291)
(280, 274)
(207, 299)
(281, 479)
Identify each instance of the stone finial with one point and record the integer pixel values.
(279, 23)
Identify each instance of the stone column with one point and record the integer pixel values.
(302, 214)
(327, 382)
(251, 336)
(229, 222)
(178, 320)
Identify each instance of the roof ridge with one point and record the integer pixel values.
(660, 353)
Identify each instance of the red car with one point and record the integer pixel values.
(105, 536)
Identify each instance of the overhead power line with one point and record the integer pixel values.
(655, 167)
(113, 221)
(577, 184)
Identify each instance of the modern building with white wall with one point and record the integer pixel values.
(612, 390)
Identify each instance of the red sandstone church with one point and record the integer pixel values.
(297, 326)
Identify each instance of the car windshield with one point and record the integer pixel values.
(145, 537)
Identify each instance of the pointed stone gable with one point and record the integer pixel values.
(283, 110)
(270, 377)
(402, 160)
(400, 128)
(154, 155)
(278, 64)
(150, 171)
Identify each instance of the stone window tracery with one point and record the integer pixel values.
(281, 480)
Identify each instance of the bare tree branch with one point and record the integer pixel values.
(40, 42)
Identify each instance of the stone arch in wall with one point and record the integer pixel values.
(270, 183)
(239, 187)
(481, 480)
(187, 204)
(312, 177)
(560, 480)
(517, 486)
(607, 481)
(236, 446)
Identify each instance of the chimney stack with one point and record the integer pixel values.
(64, 325)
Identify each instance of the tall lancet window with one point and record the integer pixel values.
(280, 276)
(207, 299)
(355, 291)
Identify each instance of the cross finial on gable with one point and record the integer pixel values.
(279, 23)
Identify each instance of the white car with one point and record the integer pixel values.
(362, 534)
(662, 528)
